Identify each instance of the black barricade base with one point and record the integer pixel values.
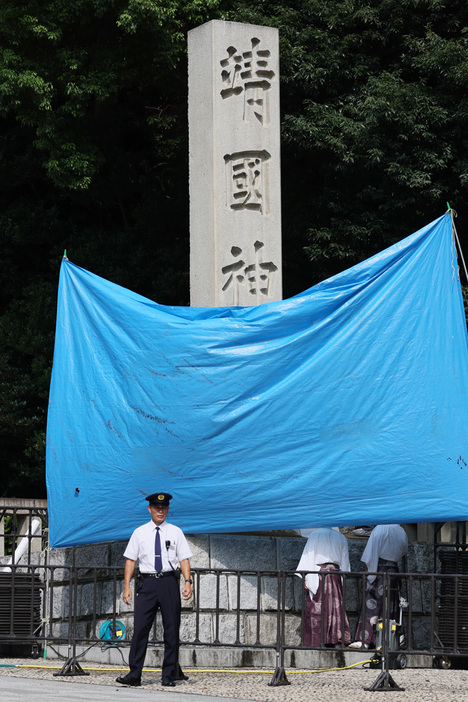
(384, 683)
(279, 678)
(71, 667)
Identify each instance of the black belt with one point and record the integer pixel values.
(383, 561)
(165, 574)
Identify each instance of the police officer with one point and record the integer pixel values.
(158, 547)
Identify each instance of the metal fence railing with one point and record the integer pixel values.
(23, 531)
(48, 606)
(71, 602)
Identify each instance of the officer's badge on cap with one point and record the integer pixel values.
(159, 498)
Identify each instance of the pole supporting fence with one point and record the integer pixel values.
(279, 676)
(71, 667)
(385, 681)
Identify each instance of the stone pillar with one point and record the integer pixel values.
(234, 135)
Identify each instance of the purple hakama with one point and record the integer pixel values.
(335, 622)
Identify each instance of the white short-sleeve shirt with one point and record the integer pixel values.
(174, 546)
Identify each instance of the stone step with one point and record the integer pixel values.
(220, 658)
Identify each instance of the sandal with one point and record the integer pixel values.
(358, 644)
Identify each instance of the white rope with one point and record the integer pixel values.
(453, 214)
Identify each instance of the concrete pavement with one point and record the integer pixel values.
(21, 689)
(239, 685)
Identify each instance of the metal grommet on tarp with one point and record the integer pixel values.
(109, 630)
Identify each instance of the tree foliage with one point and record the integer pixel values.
(93, 104)
(374, 118)
(94, 149)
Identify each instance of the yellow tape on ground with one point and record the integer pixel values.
(199, 670)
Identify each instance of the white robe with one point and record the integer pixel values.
(388, 541)
(324, 545)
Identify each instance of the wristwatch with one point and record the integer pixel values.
(189, 580)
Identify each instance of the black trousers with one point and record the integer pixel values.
(153, 594)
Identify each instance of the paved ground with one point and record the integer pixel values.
(39, 684)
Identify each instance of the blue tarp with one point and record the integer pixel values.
(346, 404)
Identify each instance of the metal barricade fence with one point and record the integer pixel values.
(46, 606)
(23, 531)
(50, 606)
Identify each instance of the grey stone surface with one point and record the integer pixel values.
(111, 595)
(420, 557)
(421, 633)
(154, 657)
(60, 556)
(272, 589)
(116, 553)
(234, 159)
(89, 598)
(299, 593)
(213, 591)
(289, 552)
(200, 546)
(228, 629)
(83, 630)
(354, 588)
(228, 551)
(60, 602)
(84, 689)
(59, 630)
(95, 556)
(192, 628)
(243, 592)
(356, 547)
(269, 628)
(33, 558)
(243, 552)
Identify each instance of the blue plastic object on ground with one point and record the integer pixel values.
(108, 630)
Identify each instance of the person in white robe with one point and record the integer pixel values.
(325, 554)
(387, 545)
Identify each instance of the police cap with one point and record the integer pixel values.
(159, 498)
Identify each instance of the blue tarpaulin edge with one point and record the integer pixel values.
(346, 404)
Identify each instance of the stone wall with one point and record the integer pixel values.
(227, 608)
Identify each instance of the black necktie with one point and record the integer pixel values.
(157, 552)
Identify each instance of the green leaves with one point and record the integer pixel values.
(374, 111)
(68, 70)
(94, 150)
(93, 146)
